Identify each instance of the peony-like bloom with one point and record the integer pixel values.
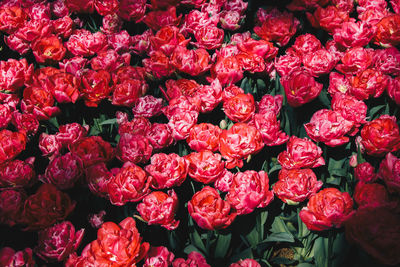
(329, 127)
(240, 108)
(71, 133)
(92, 150)
(245, 263)
(159, 257)
(160, 208)
(306, 44)
(147, 106)
(83, 43)
(130, 184)
(329, 18)
(160, 136)
(300, 87)
(301, 153)
(327, 209)
(157, 19)
(64, 87)
(48, 50)
(355, 60)
(381, 136)
(181, 124)
(209, 95)
(58, 241)
(266, 50)
(167, 170)
(296, 185)
(370, 195)
(112, 24)
(388, 31)
(387, 60)
(49, 145)
(286, 64)
(279, 27)
(167, 39)
(11, 144)
(63, 171)
(192, 62)
(352, 34)
(377, 231)
(63, 27)
(239, 142)
(269, 127)
(25, 123)
(338, 83)
(116, 245)
(75, 66)
(10, 257)
(209, 210)
(46, 207)
(137, 126)
(128, 92)
(249, 190)
(97, 178)
(227, 70)
(132, 10)
(351, 109)
(365, 173)
(368, 83)
(204, 136)
(12, 18)
(194, 259)
(158, 65)
(389, 171)
(320, 62)
(109, 60)
(209, 37)
(17, 173)
(205, 166)
(40, 102)
(14, 74)
(11, 206)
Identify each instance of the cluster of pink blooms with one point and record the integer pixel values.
(79, 65)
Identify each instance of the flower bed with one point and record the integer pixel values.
(199, 133)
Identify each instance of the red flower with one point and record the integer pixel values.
(96, 86)
(370, 195)
(381, 136)
(134, 148)
(97, 177)
(306, 44)
(328, 126)
(18, 173)
(194, 259)
(326, 209)
(167, 170)
(204, 136)
(116, 245)
(205, 166)
(249, 190)
(355, 60)
(352, 34)
(40, 102)
(11, 144)
(239, 142)
(240, 108)
(330, 18)
(158, 65)
(14, 74)
(301, 153)
(320, 62)
(167, 39)
(49, 145)
(269, 127)
(157, 19)
(130, 184)
(209, 211)
(296, 185)
(58, 241)
(12, 18)
(160, 136)
(48, 50)
(389, 171)
(160, 208)
(388, 31)
(46, 207)
(300, 87)
(147, 106)
(279, 27)
(10, 257)
(92, 150)
(128, 92)
(192, 62)
(227, 70)
(245, 263)
(209, 37)
(64, 87)
(63, 171)
(132, 10)
(71, 133)
(365, 172)
(159, 257)
(83, 43)
(377, 231)
(368, 83)
(11, 206)
(387, 60)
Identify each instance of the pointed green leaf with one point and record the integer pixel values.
(223, 243)
(280, 237)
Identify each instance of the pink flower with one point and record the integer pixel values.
(11, 206)
(159, 257)
(209, 211)
(14, 74)
(209, 37)
(365, 172)
(269, 127)
(249, 190)
(130, 184)
(301, 153)
(134, 148)
(10, 257)
(160, 136)
(84, 43)
(160, 208)
(355, 60)
(18, 173)
(58, 241)
(296, 185)
(204, 136)
(194, 259)
(327, 209)
(205, 166)
(245, 263)
(167, 170)
(389, 171)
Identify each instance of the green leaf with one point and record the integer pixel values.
(319, 252)
(191, 248)
(280, 237)
(323, 97)
(274, 169)
(305, 264)
(333, 180)
(109, 121)
(245, 254)
(279, 226)
(252, 237)
(223, 242)
(280, 260)
(374, 112)
(197, 241)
